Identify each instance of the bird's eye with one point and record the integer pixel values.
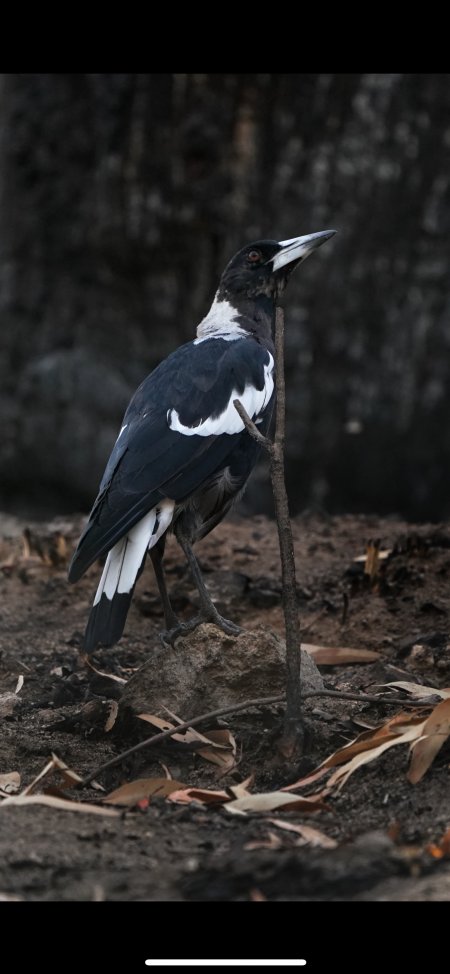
(254, 256)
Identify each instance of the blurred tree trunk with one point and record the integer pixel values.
(121, 198)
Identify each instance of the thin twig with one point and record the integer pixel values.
(250, 426)
(176, 730)
(362, 697)
(235, 708)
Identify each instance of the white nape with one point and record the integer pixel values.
(125, 559)
(219, 323)
(253, 400)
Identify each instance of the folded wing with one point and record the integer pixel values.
(179, 429)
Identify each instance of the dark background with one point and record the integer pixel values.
(121, 198)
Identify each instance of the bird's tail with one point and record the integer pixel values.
(123, 567)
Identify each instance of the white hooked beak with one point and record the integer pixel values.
(298, 248)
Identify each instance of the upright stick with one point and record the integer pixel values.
(293, 727)
(292, 740)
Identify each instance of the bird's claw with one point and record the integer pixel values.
(168, 637)
(230, 628)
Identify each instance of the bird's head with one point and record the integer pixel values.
(264, 267)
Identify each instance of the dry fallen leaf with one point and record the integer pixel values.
(9, 783)
(368, 740)
(48, 547)
(416, 690)
(372, 562)
(269, 801)
(222, 738)
(337, 655)
(204, 795)
(309, 835)
(109, 676)
(243, 788)
(69, 777)
(191, 732)
(269, 841)
(435, 733)
(342, 774)
(47, 769)
(61, 803)
(134, 791)
(184, 737)
(56, 766)
(218, 742)
(112, 716)
(383, 553)
(425, 735)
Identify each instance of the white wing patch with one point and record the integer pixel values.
(253, 400)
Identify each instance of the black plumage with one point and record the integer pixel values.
(183, 454)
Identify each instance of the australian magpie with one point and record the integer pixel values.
(183, 454)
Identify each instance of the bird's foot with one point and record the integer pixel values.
(169, 636)
(225, 625)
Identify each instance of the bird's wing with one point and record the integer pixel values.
(179, 428)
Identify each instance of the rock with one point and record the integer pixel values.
(208, 669)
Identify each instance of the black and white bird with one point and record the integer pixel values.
(183, 454)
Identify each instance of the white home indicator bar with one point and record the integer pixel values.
(225, 963)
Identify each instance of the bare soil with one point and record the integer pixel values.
(382, 824)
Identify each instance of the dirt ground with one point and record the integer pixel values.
(383, 826)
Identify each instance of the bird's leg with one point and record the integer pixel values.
(156, 554)
(174, 625)
(208, 611)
